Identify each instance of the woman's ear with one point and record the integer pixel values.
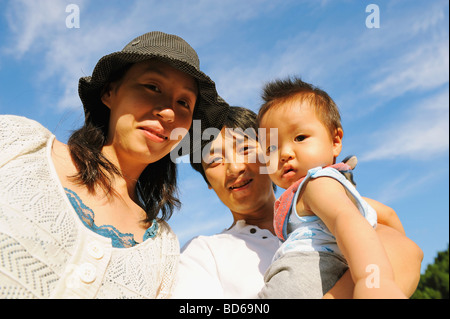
(337, 141)
(106, 95)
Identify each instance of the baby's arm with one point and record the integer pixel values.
(369, 265)
(386, 215)
(405, 257)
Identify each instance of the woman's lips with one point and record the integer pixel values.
(154, 135)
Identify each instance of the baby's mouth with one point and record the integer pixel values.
(288, 172)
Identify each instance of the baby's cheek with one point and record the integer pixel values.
(276, 179)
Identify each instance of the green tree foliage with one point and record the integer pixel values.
(434, 282)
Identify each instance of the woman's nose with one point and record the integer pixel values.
(166, 114)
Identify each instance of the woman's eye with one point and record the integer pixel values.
(184, 103)
(300, 138)
(153, 88)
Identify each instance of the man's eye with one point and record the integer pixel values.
(215, 160)
(300, 138)
(271, 148)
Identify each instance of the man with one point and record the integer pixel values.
(232, 264)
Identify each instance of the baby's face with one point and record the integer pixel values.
(303, 142)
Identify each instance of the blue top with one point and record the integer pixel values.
(119, 240)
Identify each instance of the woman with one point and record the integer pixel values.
(82, 220)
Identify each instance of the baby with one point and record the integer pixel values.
(324, 224)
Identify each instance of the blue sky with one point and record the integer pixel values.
(391, 83)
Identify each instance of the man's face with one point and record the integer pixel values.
(232, 168)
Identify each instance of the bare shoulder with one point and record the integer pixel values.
(322, 187)
(325, 197)
(62, 161)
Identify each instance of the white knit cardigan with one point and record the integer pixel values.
(46, 251)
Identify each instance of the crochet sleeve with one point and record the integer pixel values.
(19, 135)
(170, 252)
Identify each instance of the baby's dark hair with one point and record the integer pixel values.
(277, 92)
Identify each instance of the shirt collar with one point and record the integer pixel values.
(241, 227)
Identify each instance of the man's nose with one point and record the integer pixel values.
(235, 169)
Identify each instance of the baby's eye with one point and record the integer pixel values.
(300, 138)
(246, 149)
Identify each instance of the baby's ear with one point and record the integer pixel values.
(337, 142)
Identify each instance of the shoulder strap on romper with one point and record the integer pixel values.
(284, 203)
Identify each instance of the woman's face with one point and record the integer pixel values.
(147, 104)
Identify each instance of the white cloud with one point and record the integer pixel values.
(431, 18)
(425, 68)
(409, 53)
(39, 27)
(420, 41)
(39, 32)
(31, 21)
(420, 134)
(240, 81)
(405, 185)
